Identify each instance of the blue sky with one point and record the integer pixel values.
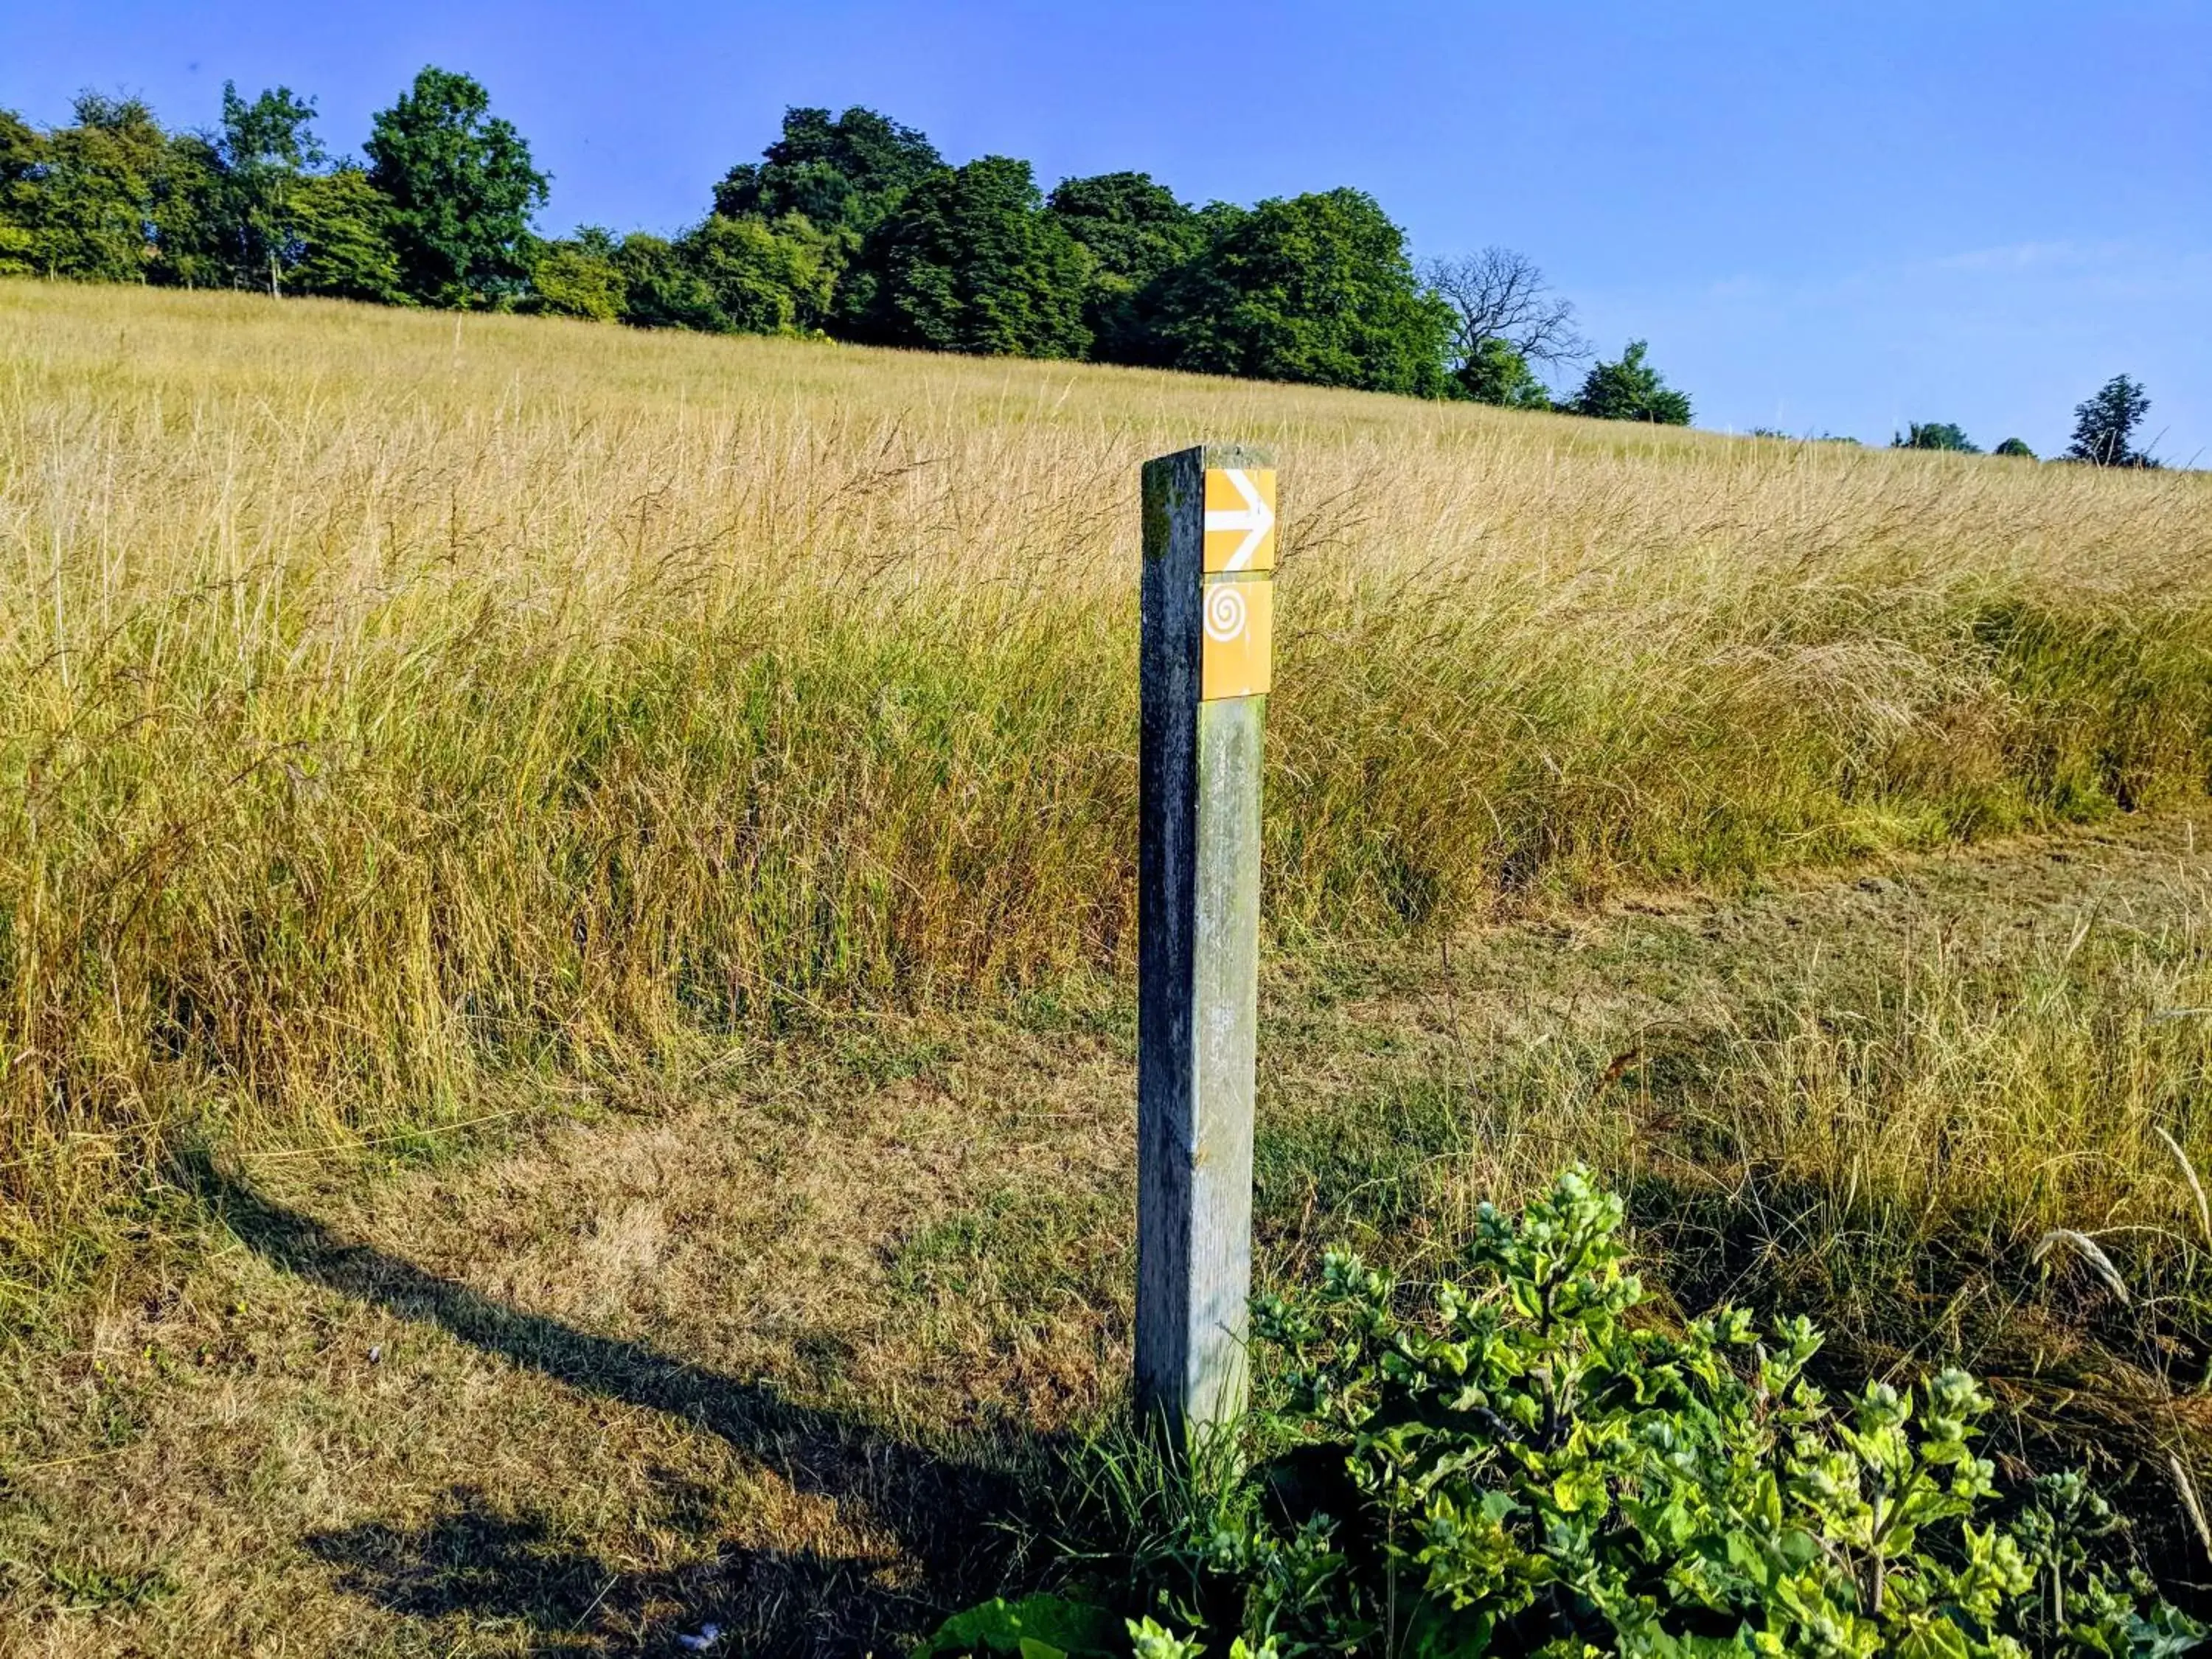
(1825, 217)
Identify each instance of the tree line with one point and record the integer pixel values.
(438, 213)
(853, 226)
(2105, 427)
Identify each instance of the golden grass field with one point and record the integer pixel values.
(417, 731)
(395, 702)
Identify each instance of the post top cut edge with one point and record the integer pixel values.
(1161, 472)
(1213, 455)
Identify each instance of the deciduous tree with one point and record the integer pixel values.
(22, 161)
(1136, 232)
(89, 207)
(1631, 390)
(1315, 288)
(971, 261)
(766, 278)
(1497, 373)
(267, 151)
(342, 248)
(1935, 434)
(843, 174)
(188, 211)
(462, 189)
(662, 288)
(2105, 425)
(577, 276)
(1499, 299)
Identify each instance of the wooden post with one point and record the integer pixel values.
(1206, 667)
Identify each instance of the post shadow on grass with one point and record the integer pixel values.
(494, 1564)
(939, 1508)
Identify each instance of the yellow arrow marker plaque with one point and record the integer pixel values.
(1240, 519)
(1237, 660)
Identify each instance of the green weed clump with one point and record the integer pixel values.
(1522, 1460)
(401, 717)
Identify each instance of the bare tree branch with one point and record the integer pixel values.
(1499, 295)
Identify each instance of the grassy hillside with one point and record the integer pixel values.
(400, 714)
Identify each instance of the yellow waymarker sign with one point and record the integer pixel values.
(1240, 519)
(1237, 660)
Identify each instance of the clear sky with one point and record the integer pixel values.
(1825, 217)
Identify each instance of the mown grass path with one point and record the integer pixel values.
(773, 1343)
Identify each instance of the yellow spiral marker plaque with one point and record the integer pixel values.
(1237, 660)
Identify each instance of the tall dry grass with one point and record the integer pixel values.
(390, 704)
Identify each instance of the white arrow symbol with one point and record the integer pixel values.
(1255, 519)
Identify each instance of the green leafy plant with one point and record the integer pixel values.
(1935, 434)
(1035, 1627)
(1521, 1462)
(1631, 390)
(87, 1586)
(2105, 425)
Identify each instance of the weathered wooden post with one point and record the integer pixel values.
(1208, 616)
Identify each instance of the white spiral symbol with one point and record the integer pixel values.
(1224, 613)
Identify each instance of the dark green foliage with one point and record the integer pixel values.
(578, 276)
(22, 155)
(95, 203)
(1036, 1627)
(342, 245)
(1497, 373)
(86, 193)
(1522, 1459)
(2105, 425)
(724, 276)
(802, 212)
(662, 287)
(1631, 390)
(852, 224)
(1136, 232)
(267, 150)
(114, 199)
(1134, 226)
(254, 208)
(2017, 448)
(841, 174)
(971, 261)
(766, 278)
(189, 212)
(1935, 434)
(462, 189)
(1315, 289)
